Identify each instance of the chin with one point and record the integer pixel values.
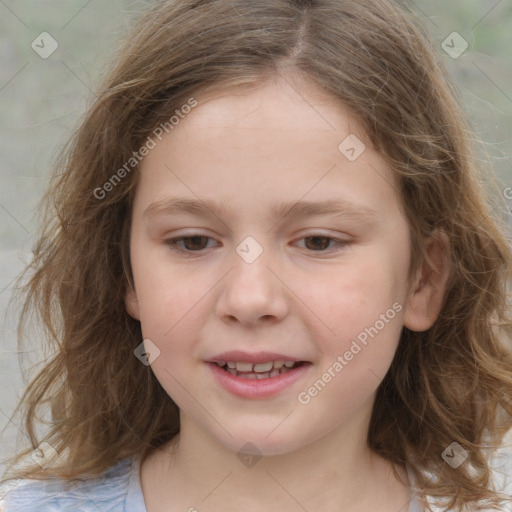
(260, 443)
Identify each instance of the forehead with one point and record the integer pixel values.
(280, 139)
(274, 104)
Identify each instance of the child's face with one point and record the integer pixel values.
(304, 297)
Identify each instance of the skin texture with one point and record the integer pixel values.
(276, 143)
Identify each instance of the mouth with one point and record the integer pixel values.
(260, 376)
(258, 371)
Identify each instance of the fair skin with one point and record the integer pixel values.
(302, 297)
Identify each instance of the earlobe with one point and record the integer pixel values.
(131, 303)
(426, 296)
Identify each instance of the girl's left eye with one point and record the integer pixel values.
(195, 243)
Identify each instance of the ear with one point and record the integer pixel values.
(131, 303)
(426, 295)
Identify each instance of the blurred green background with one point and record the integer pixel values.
(41, 101)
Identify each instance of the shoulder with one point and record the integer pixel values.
(107, 493)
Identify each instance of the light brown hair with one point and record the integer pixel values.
(448, 384)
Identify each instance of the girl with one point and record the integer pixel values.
(270, 277)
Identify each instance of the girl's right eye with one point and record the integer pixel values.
(196, 241)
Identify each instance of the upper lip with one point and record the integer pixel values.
(256, 357)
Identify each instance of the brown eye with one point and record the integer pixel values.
(195, 242)
(191, 244)
(323, 244)
(318, 242)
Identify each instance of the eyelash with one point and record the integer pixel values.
(172, 243)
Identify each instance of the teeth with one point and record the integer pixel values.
(244, 367)
(258, 367)
(263, 367)
(258, 370)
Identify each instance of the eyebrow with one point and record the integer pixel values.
(336, 208)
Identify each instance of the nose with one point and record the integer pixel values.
(253, 292)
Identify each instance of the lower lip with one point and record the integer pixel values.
(257, 388)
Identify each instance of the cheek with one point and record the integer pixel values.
(361, 302)
(168, 296)
(356, 294)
